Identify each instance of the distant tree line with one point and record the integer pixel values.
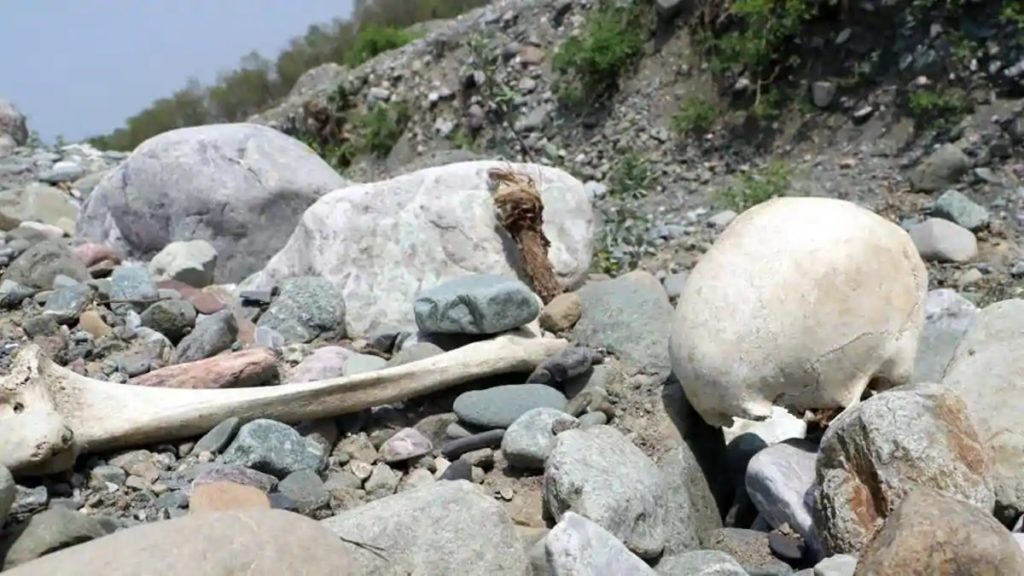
(375, 26)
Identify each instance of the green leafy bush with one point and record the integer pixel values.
(939, 109)
(611, 40)
(375, 39)
(630, 177)
(696, 116)
(380, 128)
(758, 186)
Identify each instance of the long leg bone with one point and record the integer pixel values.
(49, 415)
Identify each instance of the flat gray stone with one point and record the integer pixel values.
(217, 439)
(406, 444)
(577, 546)
(36, 203)
(600, 475)
(305, 489)
(211, 336)
(274, 448)
(12, 294)
(363, 363)
(42, 262)
(28, 500)
(214, 472)
(193, 262)
(691, 513)
(780, 481)
(133, 284)
(500, 406)
(630, 317)
(700, 563)
(955, 206)
(172, 318)
(674, 283)
(66, 304)
(382, 481)
(947, 316)
(49, 531)
(940, 170)
(476, 304)
(939, 240)
(440, 528)
(530, 439)
(414, 353)
(307, 307)
(838, 565)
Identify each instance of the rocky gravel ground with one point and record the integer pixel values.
(271, 270)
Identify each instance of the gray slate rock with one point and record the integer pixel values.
(940, 170)
(36, 203)
(241, 187)
(12, 122)
(939, 240)
(305, 489)
(217, 439)
(956, 207)
(307, 307)
(135, 284)
(172, 318)
(382, 481)
(44, 261)
(530, 439)
(780, 481)
(987, 370)
(414, 353)
(274, 448)
(579, 547)
(12, 294)
(749, 548)
(192, 262)
(630, 317)
(947, 316)
(27, 500)
(7, 492)
(691, 513)
(65, 305)
(500, 406)
(881, 449)
(567, 364)
(476, 304)
(440, 528)
(700, 563)
(599, 474)
(214, 472)
(49, 531)
(406, 444)
(674, 283)
(211, 336)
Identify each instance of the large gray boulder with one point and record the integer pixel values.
(600, 475)
(241, 187)
(987, 370)
(381, 243)
(43, 262)
(250, 542)
(49, 531)
(947, 316)
(877, 452)
(631, 317)
(12, 122)
(448, 527)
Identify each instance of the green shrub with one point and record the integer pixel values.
(755, 187)
(374, 39)
(612, 39)
(941, 110)
(630, 177)
(380, 128)
(696, 116)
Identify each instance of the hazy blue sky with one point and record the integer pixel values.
(80, 67)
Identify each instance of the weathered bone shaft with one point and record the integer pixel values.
(49, 415)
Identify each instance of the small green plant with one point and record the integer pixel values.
(755, 187)
(612, 39)
(937, 109)
(696, 116)
(630, 177)
(462, 140)
(375, 39)
(380, 128)
(1013, 13)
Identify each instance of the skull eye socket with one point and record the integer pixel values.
(18, 407)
